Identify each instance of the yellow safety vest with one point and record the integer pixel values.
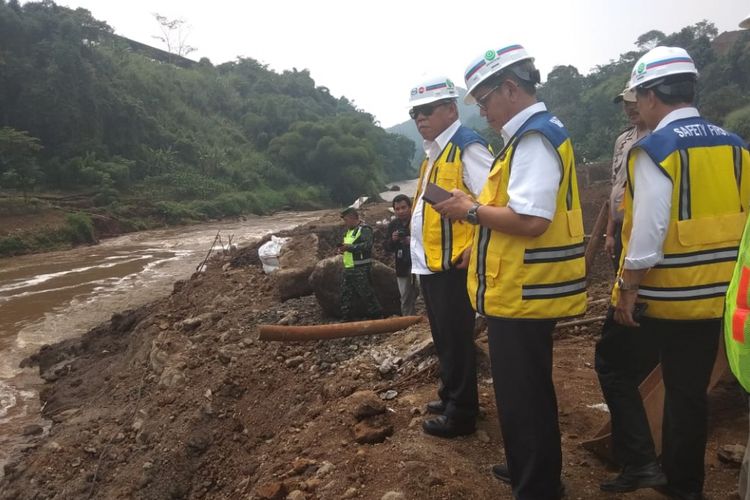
(443, 241)
(737, 315)
(350, 237)
(531, 278)
(708, 168)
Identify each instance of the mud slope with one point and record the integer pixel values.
(179, 399)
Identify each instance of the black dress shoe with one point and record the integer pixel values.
(447, 427)
(436, 407)
(634, 478)
(500, 471)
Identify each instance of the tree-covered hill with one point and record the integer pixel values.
(584, 102)
(80, 111)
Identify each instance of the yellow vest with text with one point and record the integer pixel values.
(708, 168)
(443, 241)
(524, 277)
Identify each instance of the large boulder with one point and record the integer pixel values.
(326, 284)
(296, 262)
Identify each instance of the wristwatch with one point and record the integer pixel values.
(624, 286)
(472, 216)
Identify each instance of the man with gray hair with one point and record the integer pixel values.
(456, 157)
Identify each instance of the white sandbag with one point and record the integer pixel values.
(269, 253)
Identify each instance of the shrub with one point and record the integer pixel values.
(12, 245)
(176, 213)
(269, 200)
(739, 122)
(106, 196)
(80, 228)
(305, 198)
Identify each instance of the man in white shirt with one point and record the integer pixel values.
(527, 268)
(456, 157)
(686, 201)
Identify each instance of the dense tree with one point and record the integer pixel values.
(584, 102)
(738, 121)
(18, 160)
(114, 121)
(650, 39)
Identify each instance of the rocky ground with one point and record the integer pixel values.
(179, 399)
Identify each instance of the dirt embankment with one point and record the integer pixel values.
(179, 399)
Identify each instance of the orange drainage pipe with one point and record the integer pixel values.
(337, 330)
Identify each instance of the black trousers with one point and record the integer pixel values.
(686, 350)
(452, 325)
(521, 353)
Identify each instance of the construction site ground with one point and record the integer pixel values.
(179, 399)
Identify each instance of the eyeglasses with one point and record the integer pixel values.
(481, 100)
(425, 109)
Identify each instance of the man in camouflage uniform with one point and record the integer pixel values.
(357, 251)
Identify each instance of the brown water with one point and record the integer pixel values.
(50, 297)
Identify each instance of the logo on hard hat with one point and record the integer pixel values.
(414, 91)
(449, 84)
(490, 55)
(641, 68)
(421, 90)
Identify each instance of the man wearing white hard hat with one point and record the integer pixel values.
(456, 157)
(635, 131)
(686, 202)
(527, 268)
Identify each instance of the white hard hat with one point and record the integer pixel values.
(745, 23)
(434, 89)
(490, 63)
(660, 62)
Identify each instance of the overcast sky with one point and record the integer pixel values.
(375, 52)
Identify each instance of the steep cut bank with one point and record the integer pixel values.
(178, 399)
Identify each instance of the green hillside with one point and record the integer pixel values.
(83, 112)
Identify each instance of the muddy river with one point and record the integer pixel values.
(50, 297)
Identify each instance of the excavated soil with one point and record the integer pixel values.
(179, 399)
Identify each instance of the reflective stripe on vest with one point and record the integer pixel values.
(710, 193)
(684, 293)
(554, 290)
(554, 254)
(700, 257)
(741, 305)
(535, 278)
